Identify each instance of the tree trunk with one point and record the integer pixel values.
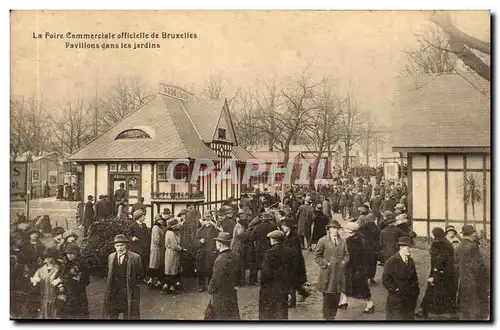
(346, 160)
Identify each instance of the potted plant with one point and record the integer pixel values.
(472, 191)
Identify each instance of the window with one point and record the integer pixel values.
(133, 134)
(222, 133)
(162, 171)
(181, 171)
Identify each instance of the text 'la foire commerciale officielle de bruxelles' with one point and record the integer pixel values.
(109, 40)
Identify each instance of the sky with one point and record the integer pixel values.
(362, 51)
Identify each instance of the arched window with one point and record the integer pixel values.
(133, 134)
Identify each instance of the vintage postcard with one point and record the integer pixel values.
(250, 165)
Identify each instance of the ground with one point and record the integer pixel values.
(191, 305)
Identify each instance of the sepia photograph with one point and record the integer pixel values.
(313, 165)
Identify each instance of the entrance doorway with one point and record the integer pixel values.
(132, 184)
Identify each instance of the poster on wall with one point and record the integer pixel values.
(52, 178)
(391, 171)
(132, 182)
(35, 176)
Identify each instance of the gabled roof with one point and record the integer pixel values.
(175, 136)
(24, 156)
(241, 154)
(205, 116)
(442, 111)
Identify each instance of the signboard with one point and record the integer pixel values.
(53, 178)
(35, 176)
(391, 171)
(174, 92)
(18, 172)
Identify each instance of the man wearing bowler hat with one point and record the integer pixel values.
(276, 278)
(473, 278)
(401, 281)
(222, 286)
(122, 295)
(331, 255)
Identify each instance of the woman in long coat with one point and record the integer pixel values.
(157, 253)
(238, 245)
(320, 220)
(441, 290)
(44, 278)
(206, 252)
(173, 252)
(356, 270)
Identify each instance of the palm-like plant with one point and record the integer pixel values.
(473, 191)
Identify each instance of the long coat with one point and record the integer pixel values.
(370, 234)
(238, 243)
(356, 270)
(173, 251)
(157, 248)
(258, 237)
(189, 228)
(356, 202)
(332, 260)
(375, 205)
(206, 254)
(319, 226)
(473, 282)
(275, 283)
(48, 292)
(305, 217)
(299, 275)
(389, 238)
(134, 276)
(224, 297)
(88, 214)
(401, 282)
(77, 304)
(142, 245)
(440, 297)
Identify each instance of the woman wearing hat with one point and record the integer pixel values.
(32, 249)
(452, 236)
(320, 220)
(441, 288)
(48, 281)
(57, 237)
(75, 277)
(173, 252)
(122, 213)
(157, 253)
(69, 237)
(356, 270)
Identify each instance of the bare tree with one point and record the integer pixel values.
(431, 56)
(351, 125)
(269, 100)
(463, 45)
(245, 119)
(369, 136)
(125, 96)
(215, 89)
(71, 127)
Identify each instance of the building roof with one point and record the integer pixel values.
(175, 135)
(442, 111)
(24, 156)
(270, 156)
(241, 154)
(205, 116)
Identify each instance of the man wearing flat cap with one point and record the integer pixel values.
(276, 278)
(401, 281)
(258, 237)
(122, 294)
(222, 286)
(139, 238)
(331, 255)
(473, 278)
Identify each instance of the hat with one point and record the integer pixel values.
(120, 238)
(34, 231)
(363, 207)
(173, 223)
(308, 198)
(438, 232)
(352, 226)
(289, 222)
(333, 224)
(319, 207)
(267, 216)
(166, 211)
(51, 252)
(158, 217)
(183, 211)
(70, 234)
(389, 216)
(223, 237)
(57, 231)
(401, 218)
(451, 228)
(72, 248)
(138, 213)
(405, 241)
(468, 230)
(276, 234)
(400, 206)
(241, 211)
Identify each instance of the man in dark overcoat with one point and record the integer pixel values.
(375, 205)
(299, 276)
(123, 294)
(276, 277)
(401, 281)
(473, 278)
(222, 286)
(258, 238)
(139, 238)
(88, 214)
(390, 204)
(305, 215)
(206, 252)
(101, 208)
(389, 238)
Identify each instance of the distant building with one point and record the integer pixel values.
(137, 151)
(444, 129)
(46, 168)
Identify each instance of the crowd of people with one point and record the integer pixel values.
(265, 238)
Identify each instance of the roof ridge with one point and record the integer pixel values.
(175, 128)
(191, 121)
